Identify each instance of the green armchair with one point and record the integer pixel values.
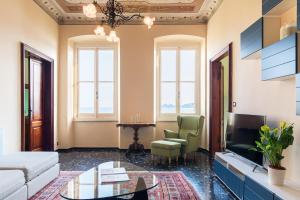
(188, 135)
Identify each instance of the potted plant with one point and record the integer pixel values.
(271, 145)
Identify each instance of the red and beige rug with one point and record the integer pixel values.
(173, 185)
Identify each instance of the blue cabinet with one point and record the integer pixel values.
(280, 59)
(278, 7)
(252, 39)
(219, 169)
(277, 198)
(230, 179)
(297, 94)
(254, 190)
(267, 5)
(258, 35)
(243, 187)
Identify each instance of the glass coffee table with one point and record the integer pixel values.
(88, 185)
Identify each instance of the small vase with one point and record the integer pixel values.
(287, 30)
(276, 176)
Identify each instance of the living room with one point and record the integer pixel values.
(88, 86)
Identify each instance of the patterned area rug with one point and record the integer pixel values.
(173, 185)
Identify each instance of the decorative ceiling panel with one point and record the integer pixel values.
(132, 1)
(67, 12)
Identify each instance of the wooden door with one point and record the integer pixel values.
(36, 112)
(216, 108)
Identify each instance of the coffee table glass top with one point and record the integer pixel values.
(88, 185)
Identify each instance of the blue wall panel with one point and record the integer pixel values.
(252, 39)
(280, 59)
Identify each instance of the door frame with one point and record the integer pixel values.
(48, 70)
(227, 51)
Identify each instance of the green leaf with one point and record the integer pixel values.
(273, 141)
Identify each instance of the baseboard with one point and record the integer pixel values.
(203, 150)
(95, 149)
(111, 149)
(89, 149)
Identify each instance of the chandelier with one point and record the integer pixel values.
(114, 17)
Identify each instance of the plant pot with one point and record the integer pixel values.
(276, 176)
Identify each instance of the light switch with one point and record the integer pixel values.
(234, 104)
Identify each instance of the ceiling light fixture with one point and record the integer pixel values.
(114, 14)
(99, 31)
(90, 10)
(149, 21)
(112, 37)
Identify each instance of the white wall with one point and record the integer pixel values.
(20, 21)
(275, 99)
(136, 87)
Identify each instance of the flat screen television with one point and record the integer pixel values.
(241, 133)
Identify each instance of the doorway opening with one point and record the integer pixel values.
(37, 100)
(220, 98)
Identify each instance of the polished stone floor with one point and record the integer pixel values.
(198, 172)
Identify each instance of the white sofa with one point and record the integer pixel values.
(12, 185)
(39, 168)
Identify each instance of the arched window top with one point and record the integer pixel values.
(92, 40)
(179, 39)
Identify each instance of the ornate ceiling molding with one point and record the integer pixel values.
(132, 1)
(69, 12)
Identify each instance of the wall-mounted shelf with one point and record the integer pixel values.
(258, 35)
(252, 40)
(280, 59)
(266, 30)
(261, 40)
(277, 7)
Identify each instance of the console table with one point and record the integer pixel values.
(135, 146)
(238, 176)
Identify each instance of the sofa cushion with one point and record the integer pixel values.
(181, 141)
(31, 163)
(11, 181)
(163, 144)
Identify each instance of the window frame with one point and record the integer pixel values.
(178, 46)
(96, 116)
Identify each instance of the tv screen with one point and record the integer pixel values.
(241, 133)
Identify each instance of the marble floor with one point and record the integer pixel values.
(198, 172)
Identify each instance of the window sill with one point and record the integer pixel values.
(166, 120)
(93, 120)
(172, 118)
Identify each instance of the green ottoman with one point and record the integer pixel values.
(166, 149)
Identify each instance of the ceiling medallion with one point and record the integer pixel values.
(114, 17)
